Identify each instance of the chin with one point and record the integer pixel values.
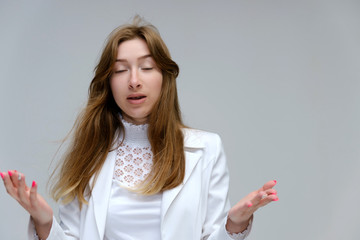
(135, 118)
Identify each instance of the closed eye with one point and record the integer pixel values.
(120, 71)
(146, 69)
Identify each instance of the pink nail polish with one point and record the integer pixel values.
(249, 205)
(33, 184)
(275, 181)
(2, 175)
(10, 173)
(15, 171)
(276, 199)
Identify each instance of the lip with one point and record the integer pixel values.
(132, 98)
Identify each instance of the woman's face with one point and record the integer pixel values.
(136, 81)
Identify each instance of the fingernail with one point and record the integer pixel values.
(249, 205)
(272, 193)
(33, 184)
(276, 199)
(10, 173)
(2, 175)
(15, 171)
(275, 181)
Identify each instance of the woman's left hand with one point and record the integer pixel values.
(240, 214)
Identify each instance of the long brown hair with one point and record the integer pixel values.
(97, 129)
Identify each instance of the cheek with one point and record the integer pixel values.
(158, 85)
(116, 90)
(113, 88)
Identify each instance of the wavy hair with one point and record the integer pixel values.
(97, 129)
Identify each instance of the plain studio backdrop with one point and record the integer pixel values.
(278, 80)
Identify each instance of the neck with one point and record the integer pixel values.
(136, 121)
(135, 134)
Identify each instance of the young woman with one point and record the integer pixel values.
(133, 170)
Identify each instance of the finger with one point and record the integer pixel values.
(23, 195)
(10, 174)
(27, 189)
(268, 199)
(33, 194)
(271, 192)
(9, 186)
(256, 200)
(268, 185)
(15, 178)
(22, 182)
(13, 175)
(244, 205)
(248, 204)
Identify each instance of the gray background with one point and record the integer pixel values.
(278, 80)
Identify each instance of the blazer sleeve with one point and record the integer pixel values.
(67, 229)
(218, 203)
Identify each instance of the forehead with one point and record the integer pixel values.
(133, 48)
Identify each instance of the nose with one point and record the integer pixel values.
(134, 81)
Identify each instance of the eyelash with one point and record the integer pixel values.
(145, 69)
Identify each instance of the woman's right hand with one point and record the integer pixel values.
(39, 209)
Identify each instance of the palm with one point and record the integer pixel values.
(241, 213)
(28, 198)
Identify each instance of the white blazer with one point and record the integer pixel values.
(196, 209)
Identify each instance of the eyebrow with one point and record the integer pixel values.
(142, 57)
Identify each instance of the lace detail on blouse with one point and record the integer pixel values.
(133, 164)
(134, 156)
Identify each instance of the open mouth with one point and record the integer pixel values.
(136, 98)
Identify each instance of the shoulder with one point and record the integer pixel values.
(208, 145)
(194, 138)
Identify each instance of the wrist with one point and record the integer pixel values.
(233, 227)
(42, 228)
(42, 222)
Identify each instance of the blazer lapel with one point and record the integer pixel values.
(101, 193)
(193, 153)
